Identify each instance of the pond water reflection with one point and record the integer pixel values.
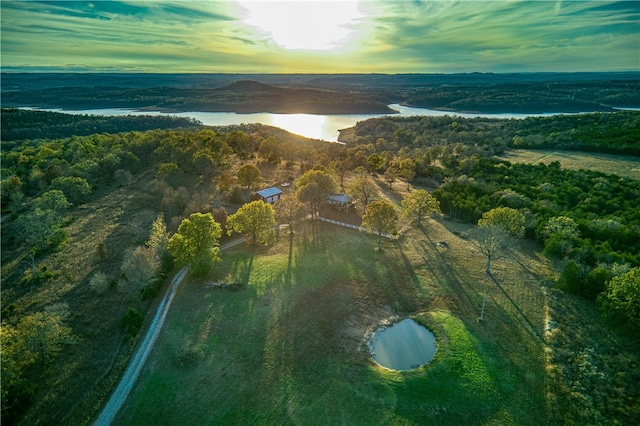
(403, 346)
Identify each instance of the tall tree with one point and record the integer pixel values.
(140, 267)
(288, 210)
(561, 233)
(249, 176)
(41, 226)
(391, 175)
(196, 242)
(621, 299)
(490, 240)
(256, 220)
(40, 335)
(380, 218)
(407, 170)
(313, 187)
(341, 167)
(510, 219)
(419, 205)
(364, 190)
(159, 239)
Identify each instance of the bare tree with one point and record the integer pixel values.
(490, 240)
(364, 190)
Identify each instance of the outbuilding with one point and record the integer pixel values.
(269, 195)
(340, 201)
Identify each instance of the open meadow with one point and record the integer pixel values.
(622, 165)
(290, 347)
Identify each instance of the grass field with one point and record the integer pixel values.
(622, 165)
(290, 347)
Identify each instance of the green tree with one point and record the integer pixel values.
(76, 189)
(621, 299)
(510, 219)
(419, 205)
(407, 170)
(313, 188)
(572, 277)
(249, 176)
(380, 218)
(40, 227)
(375, 162)
(196, 242)
(41, 335)
(561, 234)
(270, 149)
(391, 175)
(256, 220)
(225, 181)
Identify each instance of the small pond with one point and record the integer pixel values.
(404, 346)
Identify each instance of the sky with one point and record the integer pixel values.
(322, 36)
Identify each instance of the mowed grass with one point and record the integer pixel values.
(290, 347)
(622, 165)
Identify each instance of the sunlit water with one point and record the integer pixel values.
(403, 346)
(314, 126)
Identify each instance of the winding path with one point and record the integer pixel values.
(135, 366)
(132, 372)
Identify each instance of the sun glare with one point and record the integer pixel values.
(304, 25)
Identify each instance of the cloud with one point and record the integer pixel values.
(418, 36)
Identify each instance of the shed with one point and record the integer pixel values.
(340, 201)
(269, 195)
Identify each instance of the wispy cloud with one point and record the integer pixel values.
(384, 36)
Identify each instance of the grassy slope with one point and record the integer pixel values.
(290, 347)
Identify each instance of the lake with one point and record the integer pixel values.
(314, 126)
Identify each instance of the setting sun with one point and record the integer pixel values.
(319, 25)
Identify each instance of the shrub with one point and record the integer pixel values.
(99, 283)
(189, 353)
(76, 189)
(571, 278)
(132, 322)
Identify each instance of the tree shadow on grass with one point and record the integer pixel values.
(467, 303)
(515, 305)
(289, 261)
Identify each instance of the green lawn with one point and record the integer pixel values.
(290, 348)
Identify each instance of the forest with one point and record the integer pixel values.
(21, 124)
(326, 94)
(59, 184)
(243, 96)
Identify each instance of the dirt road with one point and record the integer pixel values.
(130, 376)
(135, 366)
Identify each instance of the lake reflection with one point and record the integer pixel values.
(314, 126)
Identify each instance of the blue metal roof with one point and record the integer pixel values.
(269, 192)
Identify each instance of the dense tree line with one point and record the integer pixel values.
(588, 219)
(532, 97)
(243, 96)
(20, 124)
(605, 208)
(616, 133)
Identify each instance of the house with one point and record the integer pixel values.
(269, 195)
(340, 201)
